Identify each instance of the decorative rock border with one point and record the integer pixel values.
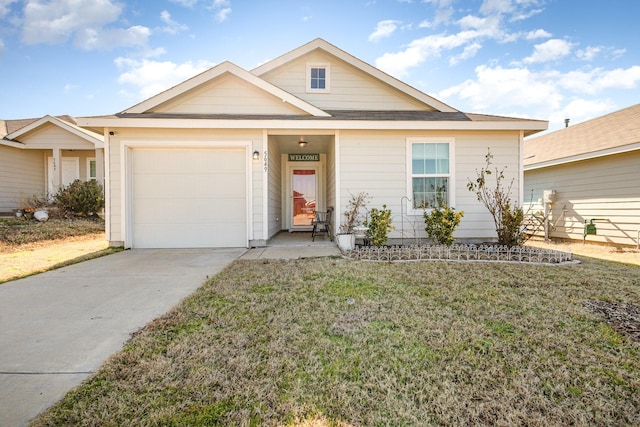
(459, 253)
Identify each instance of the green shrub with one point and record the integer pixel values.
(440, 224)
(80, 198)
(379, 225)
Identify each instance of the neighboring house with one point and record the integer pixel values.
(221, 159)
(594, 169)
(38, 156)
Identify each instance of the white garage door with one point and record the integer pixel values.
(189, 198)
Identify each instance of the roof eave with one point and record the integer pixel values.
(528, 127)
(584, 156)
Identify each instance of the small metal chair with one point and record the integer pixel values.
(322, 224)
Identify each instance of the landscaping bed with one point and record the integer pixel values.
(458, 253)
(22, 231)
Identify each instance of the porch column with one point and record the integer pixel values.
(56, 173)
(100, 167)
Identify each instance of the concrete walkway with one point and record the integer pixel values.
(56, 328)
(297, 245)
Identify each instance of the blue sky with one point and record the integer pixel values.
(543, 59)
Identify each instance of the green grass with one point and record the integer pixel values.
(333, 342)
(22, 231)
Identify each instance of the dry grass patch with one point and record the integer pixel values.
(333, 342)
(28, 246)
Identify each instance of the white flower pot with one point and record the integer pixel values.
(346, 242)
(360, 232)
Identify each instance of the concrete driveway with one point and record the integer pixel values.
(57, 328)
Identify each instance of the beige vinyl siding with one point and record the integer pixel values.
(227, 94)
(605, 187)
(351, 89)
(166, 136)
(21, 176)
(275, 188)
(51, 136)
(376, 163)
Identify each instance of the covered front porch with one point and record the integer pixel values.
(300, 177)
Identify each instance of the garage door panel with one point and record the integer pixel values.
(189, 198)
(199, 161)
(196, 185)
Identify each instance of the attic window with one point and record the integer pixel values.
(318, 77)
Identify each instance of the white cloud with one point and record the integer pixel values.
(172, 26)
(185, 3)
(419, 50)
(2, 48)
(5, 7)
(108, 38)
(84, 21)
(550, 50)
(384, 29)
(152, 77)
(537, 34)
(579, 110)
(504, 88)
(589, 54)
(468, 52)
(599, 79)
(222, 9)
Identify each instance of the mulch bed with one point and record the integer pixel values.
(624, 318)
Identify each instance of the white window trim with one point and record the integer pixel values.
(327, 68)
(451, 175)
(89, 160)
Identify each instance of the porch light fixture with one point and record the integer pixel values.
(302, 143)
(256, 155)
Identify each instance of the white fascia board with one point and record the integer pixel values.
(118, 122)
(82, 133)
(13, 144)
(584, 156)
(225, 67)
(357, 63)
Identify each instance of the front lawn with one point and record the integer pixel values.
(334, 342)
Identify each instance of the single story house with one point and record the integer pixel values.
(38, 156)
(231, 157)
(591, 173)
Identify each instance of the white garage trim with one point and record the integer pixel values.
(126, 167)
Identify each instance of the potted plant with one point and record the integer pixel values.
(346, 238)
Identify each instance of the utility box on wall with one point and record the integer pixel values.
(549, 196)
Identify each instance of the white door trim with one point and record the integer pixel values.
(318, 167)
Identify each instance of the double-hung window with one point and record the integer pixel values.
(430, 170)
(318, 77)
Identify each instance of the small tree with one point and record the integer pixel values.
(352, 214)
(379, 225)
(80, 198)
(440, 223)
(507, 219)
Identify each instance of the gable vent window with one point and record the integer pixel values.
(318, 78)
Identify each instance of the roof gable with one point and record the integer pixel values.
(49, 132)
(183, 97)
(610, 134)
(354, 78)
